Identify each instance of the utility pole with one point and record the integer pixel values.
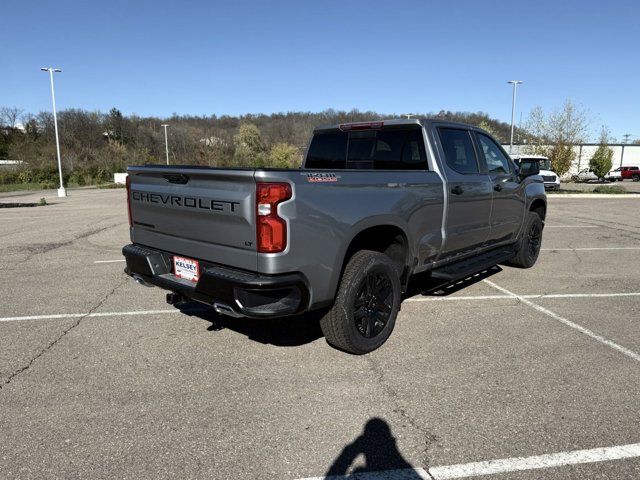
(626, 137)
(519, 127)
(61, 191)
(166, 141)
(515, 84)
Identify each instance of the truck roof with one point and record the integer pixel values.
(395, 122)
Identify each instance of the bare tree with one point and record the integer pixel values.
(555, 134)
(9, 116)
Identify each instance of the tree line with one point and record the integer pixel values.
(94, 145)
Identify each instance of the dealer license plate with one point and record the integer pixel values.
(186, 268)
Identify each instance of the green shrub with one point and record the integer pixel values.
(610, 189)
(601, 161)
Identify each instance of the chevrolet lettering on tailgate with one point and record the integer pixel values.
(185, 202)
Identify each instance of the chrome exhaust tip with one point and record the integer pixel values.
(223, 309)
(140, 281)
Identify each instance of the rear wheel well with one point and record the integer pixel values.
(539, 207)
(386, 239)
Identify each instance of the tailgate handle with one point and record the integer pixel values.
(176, 178)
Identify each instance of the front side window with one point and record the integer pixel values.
(497, 161)
(458, 150)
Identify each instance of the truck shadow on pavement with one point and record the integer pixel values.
(378, 447)
(282, 332)
(301, 329)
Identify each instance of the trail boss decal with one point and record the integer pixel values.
(321, 177)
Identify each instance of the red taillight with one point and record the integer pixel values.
(271, 230)
(128, 184)
(361, 126)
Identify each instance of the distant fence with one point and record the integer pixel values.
(623, 154)
(9, 164)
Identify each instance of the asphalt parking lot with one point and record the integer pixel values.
(508, 372)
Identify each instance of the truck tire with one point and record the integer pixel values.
(636, 178)
(528, 246)
(366, 306)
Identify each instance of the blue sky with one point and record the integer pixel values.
(204, 57)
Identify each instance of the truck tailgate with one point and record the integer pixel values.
(201, 213)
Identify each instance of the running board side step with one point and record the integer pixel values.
(469, 266)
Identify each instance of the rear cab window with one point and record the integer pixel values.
(393, 148)
(328, 150)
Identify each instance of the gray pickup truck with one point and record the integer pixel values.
(373, 204)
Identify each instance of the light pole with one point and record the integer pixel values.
(515, 84)
(166, 141)
(61, 191)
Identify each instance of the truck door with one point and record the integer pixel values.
(508, 202)
(469, 191)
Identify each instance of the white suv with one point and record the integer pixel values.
(614, 175)
(551, 179)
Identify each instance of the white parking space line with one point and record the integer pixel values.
(583, 295)
(503, 297)
(458, 299)
(588, 249)
(59, 316)
(110, 261)
(572, 226)
(26, 217)
(88, 315)
(504, 465)
(569, 323)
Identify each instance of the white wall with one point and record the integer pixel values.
(584, 154)
(120, 178)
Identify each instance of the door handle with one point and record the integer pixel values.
(497, 187)
(457, 190)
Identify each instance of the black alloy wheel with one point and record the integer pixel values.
(373, 304)
(534, 239)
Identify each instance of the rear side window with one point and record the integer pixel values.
(390, 149)
(458, 150)
(327, 150)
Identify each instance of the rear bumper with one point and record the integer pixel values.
(244, 293)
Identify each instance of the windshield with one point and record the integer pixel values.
(545, 163)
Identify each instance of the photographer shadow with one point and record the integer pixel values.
(378, 447)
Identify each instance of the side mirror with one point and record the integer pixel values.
(529, 168)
